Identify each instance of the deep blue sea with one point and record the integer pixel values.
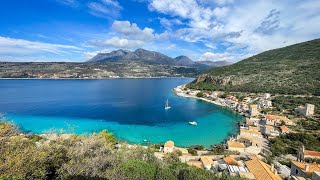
(133, 109)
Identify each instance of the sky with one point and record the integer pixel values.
(215, 30)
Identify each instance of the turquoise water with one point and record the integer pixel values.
(133, 109)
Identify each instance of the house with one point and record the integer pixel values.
(231, 161)
(284, 129)
(254, 110)
(246, 99)
(307, 110)
(267, 96)
(263, 103)
(250, 133)
(254, 128)
(303, 154)
(250, 141)
(168, 147)
(261, 170)
(303, 169)
(206, 162)
(275, 120)
(252, 121)
(270, 130)
(195, 163)
(236, 146)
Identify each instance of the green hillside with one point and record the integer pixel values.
(293, 69)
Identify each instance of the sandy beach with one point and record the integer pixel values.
(179, 91)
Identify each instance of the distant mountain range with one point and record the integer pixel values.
(116, 64)
(293, 69)
(153, 57)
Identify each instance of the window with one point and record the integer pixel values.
(297, 171)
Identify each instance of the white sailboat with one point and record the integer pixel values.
(166, 107)
(193, 123)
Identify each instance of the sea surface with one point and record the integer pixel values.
(133, 109)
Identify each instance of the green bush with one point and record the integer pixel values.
(200, 94)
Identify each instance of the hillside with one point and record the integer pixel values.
(118, 69)
(293, 69)
(153, 57)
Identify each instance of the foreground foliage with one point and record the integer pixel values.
(93, 157)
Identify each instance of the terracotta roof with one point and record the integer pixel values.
(284, 128)
(253, 106)
(275, 117)
(169, 144)
(235, 144)
(206, 160)
(249, 131)
(197, 164)
(312, 167)
(312, 153)
(269, 127)
(249, 120)
(245, 137)
(254, 128)
(261, 170)
(231, 161)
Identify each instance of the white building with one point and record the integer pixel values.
(307, 110)
(168, 147)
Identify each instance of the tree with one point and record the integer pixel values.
(137, 169)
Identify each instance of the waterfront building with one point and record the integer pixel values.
(250, 133)
(168, 147)
(236, 146)
(252, 121)
(305, 170)
(250, 141)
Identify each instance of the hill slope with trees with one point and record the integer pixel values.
(293, 69)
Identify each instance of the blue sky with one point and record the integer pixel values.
(76, 30)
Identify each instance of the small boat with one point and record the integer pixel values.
(193, 123)
(166, 107)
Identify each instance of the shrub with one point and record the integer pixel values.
(200, 94)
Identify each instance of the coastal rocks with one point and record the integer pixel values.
(214, 79)
(222, 80)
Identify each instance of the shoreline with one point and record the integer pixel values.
(96, 78)
(180, 92)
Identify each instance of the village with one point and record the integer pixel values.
(251, 146)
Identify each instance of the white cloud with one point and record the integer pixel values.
(71, 3)
(132, 31)
(105, 8)
(127, 35)
(252, 26)
(20, 46)
(116, 42)
(169, 23)
(225, 56)
(224, 2)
